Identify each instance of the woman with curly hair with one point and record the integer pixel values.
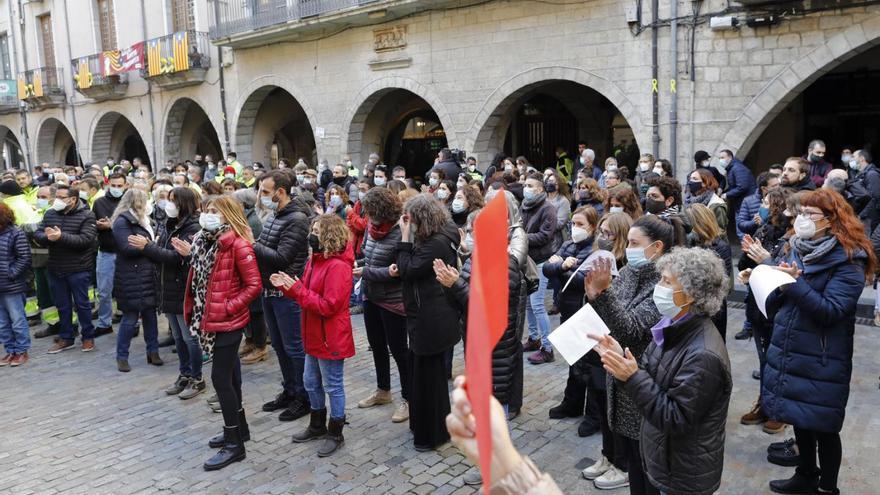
(588, 193)
(681, 385)
(384, 313)
(622, 199)
(427, 234)
(323, 294)
(465, 206)
(336, 200)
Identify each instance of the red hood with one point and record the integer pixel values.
(347, 255)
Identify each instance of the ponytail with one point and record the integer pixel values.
(667, 229)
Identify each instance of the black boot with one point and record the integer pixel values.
(232, 451)
(564, 410)
(317, 427)
(218, 441)
(298, 408)
(799, 483)
(334, 438)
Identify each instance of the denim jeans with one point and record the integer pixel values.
(283, 321)
(75, 286)
(14, 331)
(189, 352)
(536, 313)
(126, 331)
(106, 268)
(325, 375)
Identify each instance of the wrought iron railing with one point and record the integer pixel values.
(88, 71)
(231, 17)
(43, 81)
(181, 51)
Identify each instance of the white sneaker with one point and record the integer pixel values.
(599, 468)
(402, 412)
(611, 479)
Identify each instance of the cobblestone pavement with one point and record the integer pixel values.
(73, 424)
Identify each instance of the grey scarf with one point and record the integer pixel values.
(810, 250)
(691, 199)
(528, 204)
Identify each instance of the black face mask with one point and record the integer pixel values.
(339, 180)
(314, 243)
(695, 187)
(550, 187)
(655, 206)
(605, 244)
(815, 158)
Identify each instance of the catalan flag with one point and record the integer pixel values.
(84, 79)
(38, 84)
(22, 87)
(181, 51)
(154, 55)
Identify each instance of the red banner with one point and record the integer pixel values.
(115, 62)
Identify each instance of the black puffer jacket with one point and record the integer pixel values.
(505, 350)
(104, 208)
(134, 281)
(574, 293)
(431, 321)
(75, 251)
(683, 390)
(15, 268)
(283, 244)
(377, 284)
(539, 221)
(173, 267)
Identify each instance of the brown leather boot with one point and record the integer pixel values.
(754, 417)
(772, 427)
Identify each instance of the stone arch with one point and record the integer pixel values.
(185, 125)
(353, 126)
(486, 132)
(10, 146)
(783, 88)
(109, 133)
(250, 99)
(54, 140)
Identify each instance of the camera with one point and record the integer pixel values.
(458, 155)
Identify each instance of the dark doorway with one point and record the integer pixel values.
(415, 142)
(134, 147)
(541, 124)
(72, 156)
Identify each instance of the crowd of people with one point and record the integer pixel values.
(239, 258)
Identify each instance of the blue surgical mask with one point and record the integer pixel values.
(434, 181)
(210, 221)
(442, 194)
(664, 299)
(116, 192)
(764, 213)
(723, 163)
(458, 205)
(529, 193)
(636, 256)
(268, 203)
(616, 209)
(162, 203)
(335, 201)
(379, 181)
(42, 204)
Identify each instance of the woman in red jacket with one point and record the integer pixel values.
(223, 280)
(326, 326)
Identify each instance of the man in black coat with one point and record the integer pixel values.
(106, 261)
(69, 230)
(869, 178)
(447, 164)
(796, 175)
(283, 245)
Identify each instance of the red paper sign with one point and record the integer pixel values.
(487, 319)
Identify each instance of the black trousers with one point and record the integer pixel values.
(830, 453)
(387, 330)
(256, 332)
(578, 394)
(638, 480)
(429, 400)
(226, 375)
(613, 447)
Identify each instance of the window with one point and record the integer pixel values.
(47, 42)
(107, 24)
(5, 66)
(182, 15)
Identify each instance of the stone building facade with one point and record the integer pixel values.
(330, 79)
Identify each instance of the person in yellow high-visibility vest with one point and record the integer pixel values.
(232, 161)
(14, 198)
(26, 183)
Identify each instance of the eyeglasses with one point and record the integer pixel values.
(607, 234)
(815, 215)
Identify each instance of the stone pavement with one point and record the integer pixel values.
(73, 424)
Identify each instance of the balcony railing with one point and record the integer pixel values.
(176, 53)
(241, 16)
(8, 98)
(43, 85)
(90, 76)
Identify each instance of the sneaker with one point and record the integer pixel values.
(542, 356)
(88, 345)
(531, 345)
(246, 348)
(877, 318)
(472, 478)
(743, 334)
(611, 479)
(281, 401)
(193, 388)
(215, 400)
(599, 468)
(6, 359)
(178, 385)
(19, 360)
(59, 346)
(754, 417)
(255, 356)
(772, 427)
(402, 413)
(378, 398)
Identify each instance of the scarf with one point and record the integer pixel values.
(704, 198)
(810, 250)
(379, 232)
(202, 258)
(145, 223)
(528, 204)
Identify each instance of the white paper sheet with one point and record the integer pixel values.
(764, 280)
(570, 338)
(585, 266)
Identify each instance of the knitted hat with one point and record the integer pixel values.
(229, 170)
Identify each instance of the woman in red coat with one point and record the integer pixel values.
(223, 280)
(326, 326)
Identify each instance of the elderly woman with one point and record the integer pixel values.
(682, 385)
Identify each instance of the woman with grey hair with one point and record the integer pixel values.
(134, 281)
(682, 385)
(427, 234)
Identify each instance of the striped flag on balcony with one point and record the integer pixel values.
(22, 87)
(181, 51)
(37, 90)
(154, 56)
(83, 76)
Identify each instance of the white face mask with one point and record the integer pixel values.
(578, 234)
(171, 210)
(611, 167)
(379, 181)
(442, 193)
(616, 209)
(644, 167)
(59, 205)
(659, 171)
(664, 299)
(804, 227)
